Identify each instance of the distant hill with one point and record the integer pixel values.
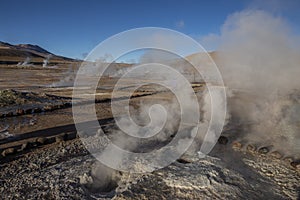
(202, 54)
(14, 54)
(31, 47)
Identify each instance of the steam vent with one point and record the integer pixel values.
(149, 100)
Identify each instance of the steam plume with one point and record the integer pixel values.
(46, 61)
(259, 62)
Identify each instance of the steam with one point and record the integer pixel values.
(161, 116)
(259, 62)
(46, 61)
(67, 79)
(25, 63)
(149, 112)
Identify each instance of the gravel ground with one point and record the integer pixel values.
(65, 170)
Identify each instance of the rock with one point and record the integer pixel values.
(251, 148)
(264, 150)
(37, 110)
(55, 107)
(188, 158)
(33, 165)
(49, 140)
(296, 164)
(288, 160)
(67, 104)
(31, 144)
(47, 108)
(70, 136)
(8, 151)
(28, 111)
(32, 121)
(41, 140)
(59, 138)
(236, 145)
(85, 179)
(9, 114)
(223, 140)
(276, 154)
(185, 159)
(4, 129)
(24, 146)
(20, 111)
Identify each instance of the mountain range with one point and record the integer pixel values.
(14, 54)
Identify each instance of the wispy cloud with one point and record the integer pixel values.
(210, 42)
(180, 24)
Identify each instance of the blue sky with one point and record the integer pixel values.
(73, 28)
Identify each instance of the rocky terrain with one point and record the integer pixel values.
(65, 170)
(52, 163)
(15, 103)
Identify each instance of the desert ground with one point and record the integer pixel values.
(42, 156)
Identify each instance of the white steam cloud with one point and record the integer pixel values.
(46, 61)
(259, 61)
(25, 63)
